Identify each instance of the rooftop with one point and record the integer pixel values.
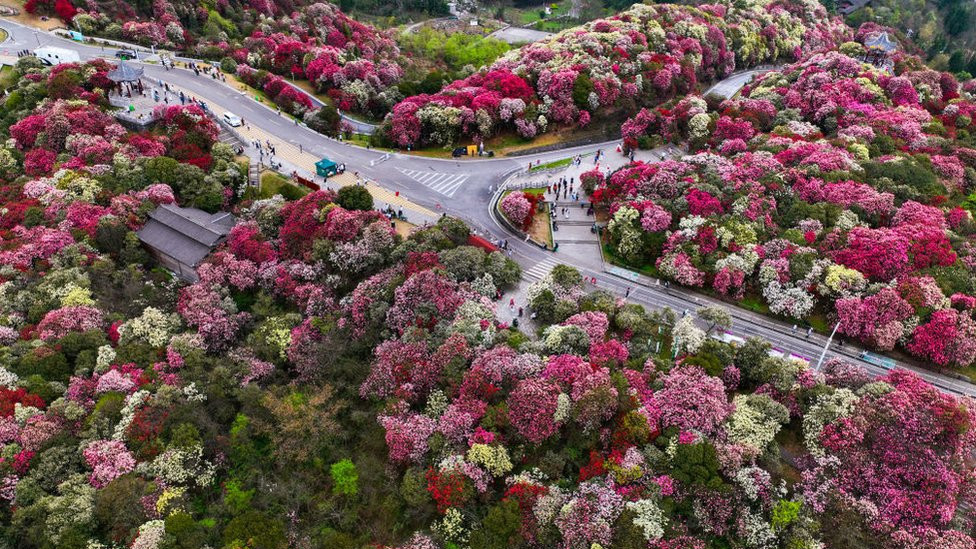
(185, 234)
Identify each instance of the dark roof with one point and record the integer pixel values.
(185, 234)
(125, 73)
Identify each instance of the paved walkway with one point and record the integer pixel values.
(301, 159)
(572, 231)
(519, 35)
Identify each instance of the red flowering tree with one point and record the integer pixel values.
(901, 453)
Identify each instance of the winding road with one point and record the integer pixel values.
(465, 187)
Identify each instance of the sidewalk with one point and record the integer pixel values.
(302, 160)
(573, 233)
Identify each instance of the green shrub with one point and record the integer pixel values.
(345, 478)
(354, 197)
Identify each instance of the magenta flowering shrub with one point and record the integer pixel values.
(109, 459)
(889, 453)
(533, 407)
(516, 207)
(692, 400)
(752, 219)
(643, 56)
(58, 323)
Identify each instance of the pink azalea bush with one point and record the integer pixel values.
(740, 237)
(642, 56)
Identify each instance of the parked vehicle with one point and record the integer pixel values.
(53, 55)
(233, 120)
(125, 54)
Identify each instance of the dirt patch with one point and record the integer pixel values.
(33, 20)
(540, 230)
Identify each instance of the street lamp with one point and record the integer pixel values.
(824, 352)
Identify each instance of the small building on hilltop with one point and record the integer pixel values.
(181, 238)
(879, 47)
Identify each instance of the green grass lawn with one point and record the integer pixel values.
(272, 183)
(561, 163)
(7, 77)
(648, 269)
(529, 15)
(754, 303)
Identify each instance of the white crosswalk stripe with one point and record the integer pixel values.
(540, 269)
(443, 183)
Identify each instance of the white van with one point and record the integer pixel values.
(233, 120)
(53, 55)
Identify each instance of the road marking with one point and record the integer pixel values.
(442, 183)
(540, 269)
(376, 161)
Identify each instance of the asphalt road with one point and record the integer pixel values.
(464, 188)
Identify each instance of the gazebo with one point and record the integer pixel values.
(125, 73)
(879, 46)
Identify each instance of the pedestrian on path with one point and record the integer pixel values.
(627, 294)
(301, 149)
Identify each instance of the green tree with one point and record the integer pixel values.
(236, 499)
(582, 88)
(255, 530)
(697, 464)
(785, 513)
(500, 527)
(182, 532)
(354, 197)
(324, 120)
(958, 19)
(345, 478)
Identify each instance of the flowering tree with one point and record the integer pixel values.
(533, 405)
(517, 208)
(691, 399)
(897, 453)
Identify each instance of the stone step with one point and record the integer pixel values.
(595, 241)
(576, 222)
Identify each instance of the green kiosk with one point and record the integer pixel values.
(326, 168)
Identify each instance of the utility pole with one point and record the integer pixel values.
(826, 345)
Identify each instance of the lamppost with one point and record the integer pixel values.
(826, 345)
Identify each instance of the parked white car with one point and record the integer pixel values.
(233, 119)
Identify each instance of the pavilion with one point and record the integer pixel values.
(879, 46)
(126, 77)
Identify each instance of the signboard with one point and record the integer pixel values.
(623, 273)
(882, 361)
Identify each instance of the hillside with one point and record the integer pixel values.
(642, 56)
(944, 29)
(323, 381)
